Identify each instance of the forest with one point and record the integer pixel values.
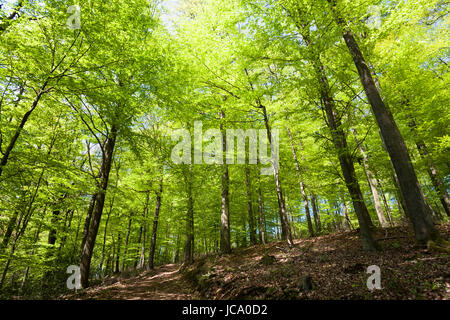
(243, 148)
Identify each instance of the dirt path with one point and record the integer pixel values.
(163, 283)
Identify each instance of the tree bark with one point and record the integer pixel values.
(285, 225)
(9, 230)
(340, 143)
(143, 232)
(105, 168)
(87, 221)
(225, 239)
(262, 232)
(409, 185)
(372, 183)
(302, 186)
(432, 171)
(127, 238)
(316, 213)
(188, 252)
(151, 256)
(12, 143)
(251, 221)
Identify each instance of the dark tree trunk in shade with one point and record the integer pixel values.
(9, 230)
(87, 221)
(340, 143)
(119, 241)
(125, 247)
(225, 239)
(188, 251)
(151, 256)
(105, 168)
(251, 219)
(316, 214)
(418, 210)
(436, 180)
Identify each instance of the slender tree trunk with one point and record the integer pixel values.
(105, 169)
(225, 239)
(52, 235)
(348, 223)
(251, 220)
(340, 143)
(87, 222)
(432, 171)
(143, 231)
(12, 143)
(316, 213)
(27, 269)
(409, 185)
(127, 238)
(262, 232)
(151, 256)
(188, 252)
(285, 225)
(302, 186)
(386, 205)
(119, 241)
(104, 240)
(372, 183)
(244, 234)
(9, 230)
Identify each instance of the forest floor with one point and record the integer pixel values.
(335, 263)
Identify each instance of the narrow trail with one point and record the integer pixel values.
(163, 283)
(335, 263)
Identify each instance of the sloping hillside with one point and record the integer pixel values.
(334, 264)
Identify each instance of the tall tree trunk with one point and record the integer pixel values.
(285, 225)
(302, 186)
(225, 239)
(105, 168)
(340, 143)
(348, 223)
(87, 221)
(151, 256)
(188, 252)
(432, 171)
(12, 142)
(52, 235)
(386, 205)
(127, 238)
(262, 232)
(372, 183)
(143, 231)
(104, 241)
(409, 185)
(9, 230)
(316, 213)
(27, 269)
(119, 241)
(251, 220)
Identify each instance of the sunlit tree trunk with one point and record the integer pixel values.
(302, 186)
(285, 225)
(372, 183)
